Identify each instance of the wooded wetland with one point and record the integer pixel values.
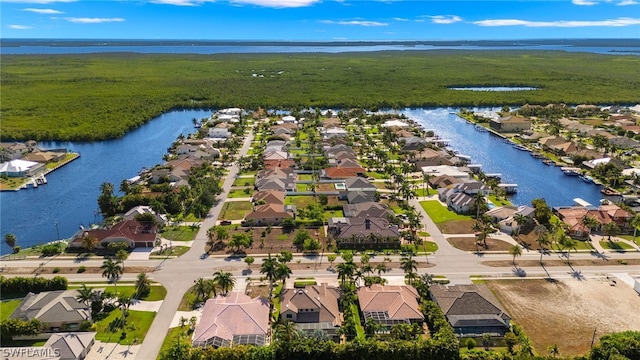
(101, 96)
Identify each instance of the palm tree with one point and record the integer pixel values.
(515, 250)
(121, 256)
(591, 223)
(611, 229)
(283, 272)
(203, 288)
(85, 294)
(268, 268)
(10, 239)
(89, 242)
(143, 286)
(569, 244)
(286, 331)
(521, 220)
(543, 242)
(381, 268)
(408, 264)
(371, 327)
(553, 350)
(346, 270)
(635, 222)
(410, 277)
(224, 281)
(112, 271)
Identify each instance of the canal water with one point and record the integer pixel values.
(534, 178)
(70, 197)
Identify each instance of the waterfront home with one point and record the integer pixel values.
(312, 307)
(575, 126)
(57, 310)
(133, 232)
(472, 187)
(71, 346)
(235, 319)
(624, 142)
(430, 157)
(269, 214)
(505, 217)
(573, 216)
(412, 144)
(565, 148)
(452, 171)
(389, 305)
(219, 133)
(395, 123)
(20, 168)
(44, 156)
(472, 310)
(12, 151)
(459, 202)
(160, 219)
(289, 119)
(510, 124)
(443, 181)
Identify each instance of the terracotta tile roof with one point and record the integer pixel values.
(268, 211)
(399, 302)
(342, 173)
(270, 197)
(236, 314)
(132, 230)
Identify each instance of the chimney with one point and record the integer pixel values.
(367, 223)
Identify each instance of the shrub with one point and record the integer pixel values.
(16, 249)
(82, 269)
(56, 270)
(50, 249)
(470, 343)
(24, 285)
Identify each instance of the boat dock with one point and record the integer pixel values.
(509, 188)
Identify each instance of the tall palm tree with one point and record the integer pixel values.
(112, 271)
(286, 331)
(515, 250)
(543, 242)
(408, 264)
(268, 268)
(346, 270)
(283, 272)
(224, 281)
(381, 268)
(89, 242)
(591, 223)
(143, 286)
(202, 288)
(569, 244)
(85, 294)
(553, 350)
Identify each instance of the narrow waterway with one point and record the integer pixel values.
(534, 178)
(70, 197)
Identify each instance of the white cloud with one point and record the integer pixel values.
(277, 3)
(43, 11)
(93, 20)
(178, 2)
(19, 27)
(627, 3)
(584, 2)
(561, 23)
(355, 22)
(400, 19)
(448, 19)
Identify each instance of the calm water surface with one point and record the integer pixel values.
(534, 178)
(70, 197)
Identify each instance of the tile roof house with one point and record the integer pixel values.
(57, 310)
(268, 214)
(269, 197)
(133, 232)
(510, 123)
(443, 181)
(412, 143)
(341, 173)
(458, 201)
(364, 232)
(71, 346)
(314, 307)
(472, 310)
(390, 304)
(573, 215)
(275, 155)
(359, 184)
(231, 320)
(276, 183)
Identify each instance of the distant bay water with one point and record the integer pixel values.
(62, 46)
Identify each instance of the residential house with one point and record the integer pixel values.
(368, 209)
(57, 310)
(359, 184)
(333, 132)
(505, 216)
(443, 181)
(232, 320)
(71, 346)
(219, 133)
(395, 123)
(430, 157)
(452, 171)
(44, 156)
(276, 172)
(511, 123)
(357, 197)
(282, 164)
(330, 122)
(472, 187)
(20, 168)
(623, 142)
(472, 310)
(276, 145)
(459, 202)
(389, 305)
(565, 148)
(276, 183)
(269, 197)
(268, 214)
(413, 143)
(134, 233)
(289, 119)
(275, 155)
(12, 151)
(160, 219)
(573, 216)
(313, 307)
(364, 232)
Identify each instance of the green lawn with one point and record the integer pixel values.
(158, 292)
(377, 175)
(356, 315)
(235, 210)
(174, 334)
(305, 177)
(249, 172)
(240, 193)
(499, 202)
(302, 187)
(439, 213)
(140, 319)
(174, 251)
(244, 181)
(300, 201)
(431, 246)
(332, 213)
(630, 238)
(617, 245)
(7, 307)
(180, 233)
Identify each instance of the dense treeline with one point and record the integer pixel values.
(20, 286)
(99, 96)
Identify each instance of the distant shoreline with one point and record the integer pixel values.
(481, 43)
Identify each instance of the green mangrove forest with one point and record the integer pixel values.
(101, 96)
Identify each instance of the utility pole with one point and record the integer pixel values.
(593, 339)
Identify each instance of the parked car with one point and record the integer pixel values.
(225, 222)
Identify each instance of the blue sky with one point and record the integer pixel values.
(320, 19)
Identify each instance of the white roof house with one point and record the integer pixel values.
(142, 209)
(18, 167)
(289, 119)
(396, 122)
(445, 170)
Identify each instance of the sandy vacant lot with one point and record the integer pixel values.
(567, 312)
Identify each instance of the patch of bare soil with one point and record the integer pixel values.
(275, 241)
(457, 227)
(567, 312)
(471, 244)
(582, 262)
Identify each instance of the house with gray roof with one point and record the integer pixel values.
(71, 346)
(371, 209)
(57, 310)
(364, 233)
(313, 307)
(357, 197)
(472, 310)
(357, 183)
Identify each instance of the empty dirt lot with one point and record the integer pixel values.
(566, 312)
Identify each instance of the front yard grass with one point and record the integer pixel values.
(235, 210)
(172, 251)
(173, 335)
(138, 323)
(615, 245)
(305, 177)
(240, 193)
(7, 307)
(431, 246)
(356, 315)
(300, 201)
(180, 233)
(439, 213)
(499, 201)
(158, 292)
(249, 181)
